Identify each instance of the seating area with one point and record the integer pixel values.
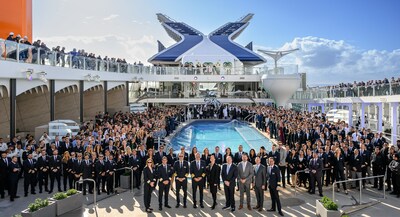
(228, 29)
(182, 28)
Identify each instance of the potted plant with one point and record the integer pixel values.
(66, 202)
(126, 180)
(327, 208)
(40, 208)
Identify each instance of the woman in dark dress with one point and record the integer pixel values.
(291, 161)
(263, 156)
(228, 152)
(149, 182)
(213, 171)
(338, 169)
(252, 156)
(302, 164)
(206, 158)
(192, 155)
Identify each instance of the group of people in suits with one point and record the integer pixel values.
(208, 171)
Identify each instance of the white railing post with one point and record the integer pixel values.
(17, 57)
(38, 56)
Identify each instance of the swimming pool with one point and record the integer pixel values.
(223, 133)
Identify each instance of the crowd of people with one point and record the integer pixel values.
(369, 88)
(58, 56)
(309, 152)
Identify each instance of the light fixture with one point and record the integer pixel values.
(29, 73)
(88, 77)
(96, 78)
(42, 76)
(222, 77)
(195, 78)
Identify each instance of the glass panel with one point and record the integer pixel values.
(26, 53)
(10, 50)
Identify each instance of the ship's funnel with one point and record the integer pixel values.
(281, 87)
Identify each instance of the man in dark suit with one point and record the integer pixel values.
(181, 169)
(134, 163)
(366, 160)
(66, 146)
(315, 166)
(213, 177)
(356, 162)
(142, 153)
(259, 183)
(110, 168)
(218, 160)
(274, 154)
(238, 155)
(273, 177)
(55, 170)
(42, 166)
(70, 170)
(164, 175)
(100, 174)
(87, 173)
(159, 156)
(185, 155)
(4, 163)
(13, 177)
(78, 170)
(229, 174)
(198, 171)
(218, 156)
(29, 166)
(78, 148)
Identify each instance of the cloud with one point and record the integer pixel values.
(332, 61)
(138, 22)
(112, 16)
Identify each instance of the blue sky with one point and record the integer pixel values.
(357, 39)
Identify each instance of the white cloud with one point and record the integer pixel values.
(138, 22)
(112, 16)
(329, 61)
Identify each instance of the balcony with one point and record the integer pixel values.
(21, 53)
(388, 89)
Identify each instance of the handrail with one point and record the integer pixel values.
(249, 116)
(303, 171)
(94, 188)
(360, 184)
(124, 168)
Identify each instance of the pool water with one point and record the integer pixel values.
(223, 133)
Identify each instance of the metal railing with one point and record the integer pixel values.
(23, 53)
(94, 188)
(248, 117)
(304, 171)
(360, 184)
(124, 168)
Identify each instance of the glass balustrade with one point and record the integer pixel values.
(38, 55)
(199, 94)
(12, 51)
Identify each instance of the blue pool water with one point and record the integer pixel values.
(222, 133)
